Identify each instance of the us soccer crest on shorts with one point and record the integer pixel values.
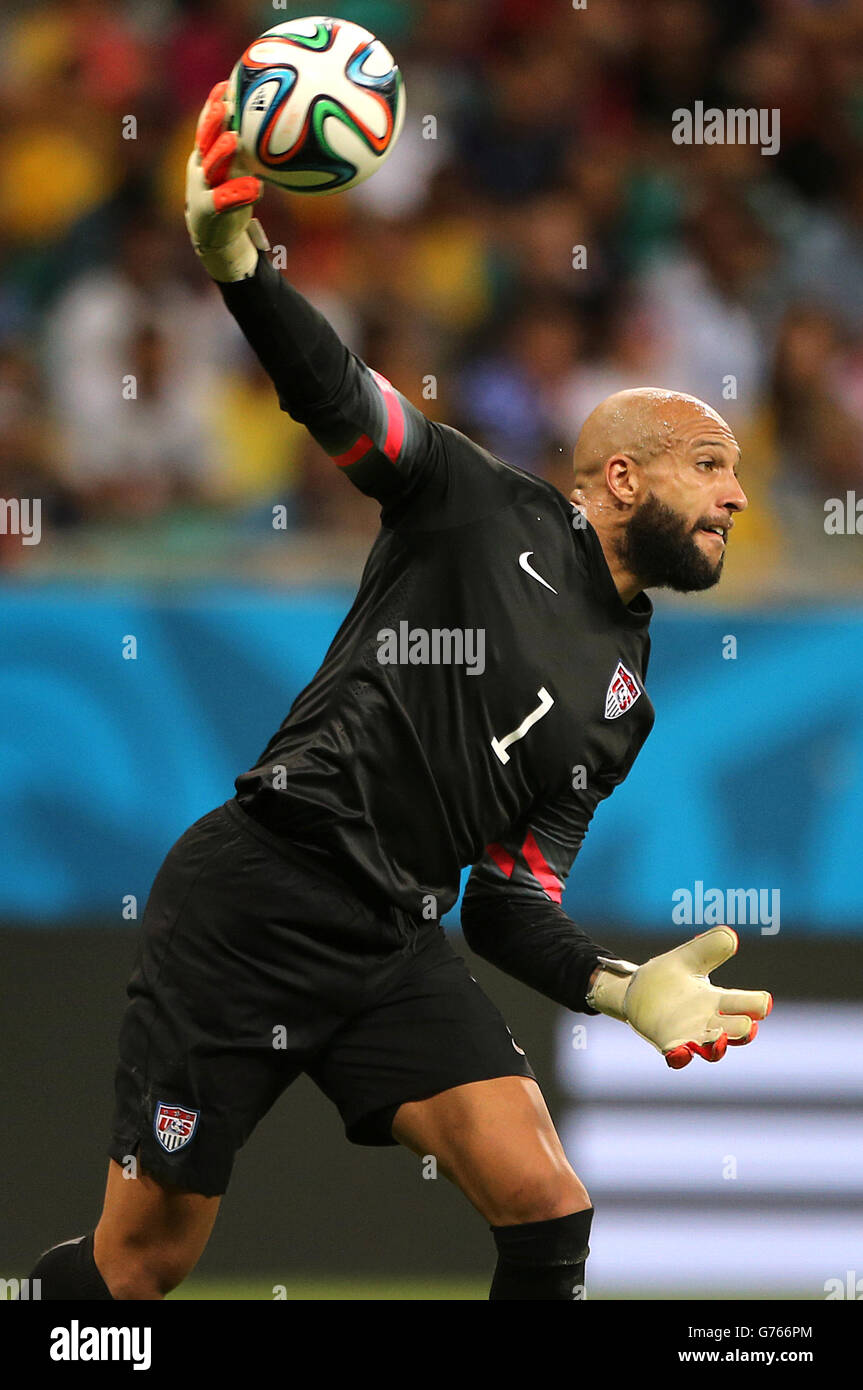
(622, 693)
(173, 1126)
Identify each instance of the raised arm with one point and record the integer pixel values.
(386, 446)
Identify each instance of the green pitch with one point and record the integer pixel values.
(334, 1290)
(318, 1290)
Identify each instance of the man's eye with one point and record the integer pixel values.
(707, 463)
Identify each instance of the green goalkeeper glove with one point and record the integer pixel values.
(671, 1003)
(218, 207)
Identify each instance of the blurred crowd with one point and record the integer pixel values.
(534, 128)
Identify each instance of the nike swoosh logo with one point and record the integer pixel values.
(528, 569)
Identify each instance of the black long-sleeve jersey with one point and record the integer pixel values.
(484, 693)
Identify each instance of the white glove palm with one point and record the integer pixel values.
(670, 1002)
(218, 207)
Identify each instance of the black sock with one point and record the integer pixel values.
(542, 1259)
(69, 1271)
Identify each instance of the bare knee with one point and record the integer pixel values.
(548, 1191)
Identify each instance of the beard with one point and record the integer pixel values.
(660, 549)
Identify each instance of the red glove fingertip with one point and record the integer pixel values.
(678, 1057)
(212, 118)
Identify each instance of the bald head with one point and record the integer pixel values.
(656, 477)
(640, 424)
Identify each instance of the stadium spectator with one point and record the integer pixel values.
(714, 269)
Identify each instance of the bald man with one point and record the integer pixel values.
(656, 477)
(483, 695)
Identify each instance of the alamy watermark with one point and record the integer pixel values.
(718, 907)
(843, 516)
(436, 646)
(21, 516)
(850, 1287)
(77, 1343)
(735, 126)
(20, 1290)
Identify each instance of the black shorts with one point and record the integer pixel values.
(255, 967)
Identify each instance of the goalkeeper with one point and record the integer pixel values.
(308, 907)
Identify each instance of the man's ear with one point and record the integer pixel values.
(622, 478)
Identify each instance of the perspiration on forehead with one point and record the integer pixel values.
(642, 423)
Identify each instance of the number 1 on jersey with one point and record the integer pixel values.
(500, 745)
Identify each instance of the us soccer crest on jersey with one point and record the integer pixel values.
(622, 693)
(173, 1126)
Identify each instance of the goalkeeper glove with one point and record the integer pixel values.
(670, 1002)
(218, 207)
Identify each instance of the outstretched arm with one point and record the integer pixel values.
(386, 446)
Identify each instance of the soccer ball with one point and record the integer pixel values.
(317, 104)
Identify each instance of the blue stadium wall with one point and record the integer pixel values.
(752, 777)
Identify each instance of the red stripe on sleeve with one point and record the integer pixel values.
(395, 418)
(504, 860)
(540, 868)
(356, 451)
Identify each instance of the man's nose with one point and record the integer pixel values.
(734, 498)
